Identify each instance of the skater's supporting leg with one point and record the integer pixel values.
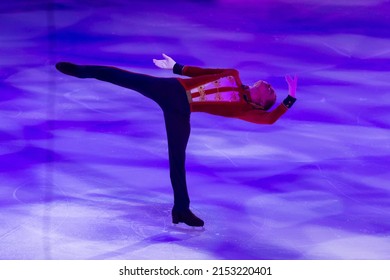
(178, 132)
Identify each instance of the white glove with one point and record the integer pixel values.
(292, 85)
(166, 63)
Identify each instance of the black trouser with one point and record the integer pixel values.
(172, 98)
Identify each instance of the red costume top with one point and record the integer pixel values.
(221, 92)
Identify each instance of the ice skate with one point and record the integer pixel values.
(187, 217)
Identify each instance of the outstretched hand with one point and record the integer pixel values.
(166, 63)
(292, 84)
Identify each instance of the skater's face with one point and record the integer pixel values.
(263, 94)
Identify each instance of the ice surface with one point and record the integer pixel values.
(84, 169)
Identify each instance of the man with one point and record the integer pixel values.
(215, 91)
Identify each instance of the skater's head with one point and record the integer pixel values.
(263, 95)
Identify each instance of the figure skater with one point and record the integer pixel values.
(215, 91)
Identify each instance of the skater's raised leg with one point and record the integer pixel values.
(155, 88)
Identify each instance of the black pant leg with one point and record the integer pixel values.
(149, 86)
(178, 132)
(177, 123)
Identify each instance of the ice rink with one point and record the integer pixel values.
(84, 165)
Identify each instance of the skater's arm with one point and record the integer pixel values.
(190, 71)
(264, 117)
(268, 117)
(194, 71)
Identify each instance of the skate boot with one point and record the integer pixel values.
(187, 217)
(71, 69)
